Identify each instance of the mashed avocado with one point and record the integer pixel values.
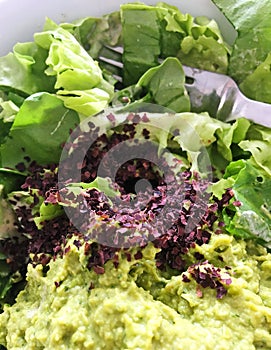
(136, 306)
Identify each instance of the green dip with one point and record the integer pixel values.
(134, 307)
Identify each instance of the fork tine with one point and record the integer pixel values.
(110, 58)
(116, 49)
(111, 61)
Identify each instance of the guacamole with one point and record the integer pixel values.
(135, 306)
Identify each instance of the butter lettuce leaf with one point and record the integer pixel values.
(257, 85)
(197, 41)
(251, 19)
(165, 84)
(150, 32)
(106, 31)
(85, 102)
(28, 61)
(204, 47)
(81, 28)
(40, 128)
(252, 219)
(257, 144)
(162, 85)
(47, 211)
(74, 70)
(141, 40)
(95, 34)
(104, 185)
(260, 151)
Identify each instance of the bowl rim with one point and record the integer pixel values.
(30, 21)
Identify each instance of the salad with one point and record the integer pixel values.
(128, 220)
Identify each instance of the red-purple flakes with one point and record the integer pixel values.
(192, 215)
(237, 203)
(57, 284)
(98, 255)
(207, 275)
(91, 286)
(98, 269)
(146, 133)
(138, 255)
(185, 278)
(128, 256)
(21, 167)
(67, 249)
(77, 243)
(145, 118)
(111, 117)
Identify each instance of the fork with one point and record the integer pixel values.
(215, 93)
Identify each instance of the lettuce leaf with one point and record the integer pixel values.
(28, 61)
(257, 85)
(251, 19)
(141, 40)
(204, 47)
(107, 31)
(77, 74)
(95, 34)
(85, 102)
(40, 128)
(81, 29)
(257, 143)
(47, 211)
(252, 219)
(165, 84)
(248, 215)
(101, 184)
(10, 180)
(150, 32)
(162, 85)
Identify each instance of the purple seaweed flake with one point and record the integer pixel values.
(194, 223)
(207, 275)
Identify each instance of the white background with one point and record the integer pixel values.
(19, 19)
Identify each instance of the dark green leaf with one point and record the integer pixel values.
(40, 128)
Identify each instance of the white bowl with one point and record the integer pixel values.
(19, 19)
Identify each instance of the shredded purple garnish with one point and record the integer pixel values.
(194, 214)
(99, 255)
(16, 258)
(207, 275)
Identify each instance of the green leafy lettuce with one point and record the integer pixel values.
(250, 180)
(28, 61)
(150, 32)
(250, 60)
(79, 79)
(251, 218)
(162, 85)
(42, 121)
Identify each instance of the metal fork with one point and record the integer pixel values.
(215, 93)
